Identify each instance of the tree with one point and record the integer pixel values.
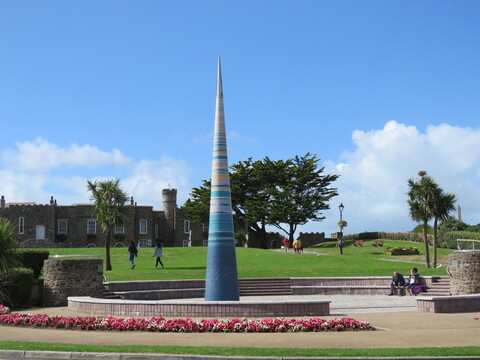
(427, 200)
(282, 193)
(9, 257)
(300, 195)
(109, 209)
(421, 196)
(444, 203)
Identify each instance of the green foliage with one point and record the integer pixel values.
(451, 237)
(19, 287)
(397, 236)
(403, 251)
(33, 259)
(9, 258)
(419, 229)
(240, 238)
(283, 193)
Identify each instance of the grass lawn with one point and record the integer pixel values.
(243, 351)
(190, 263)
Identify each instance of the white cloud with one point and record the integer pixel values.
(34, 171)
(373, 182)
(42, 156)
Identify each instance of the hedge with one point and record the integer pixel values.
(398, 236)
(19, 286)
(451, 237)
(33, 259)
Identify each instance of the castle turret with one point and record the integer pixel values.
(2, 202)
(169, 202)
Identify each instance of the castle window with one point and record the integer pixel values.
(186, 227)
(91, 227)
(119, 230)
(21, 225)
(143, 227)
(62, 227)
(205, 227)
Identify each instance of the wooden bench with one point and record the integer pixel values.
(358, 243)
(377, 243)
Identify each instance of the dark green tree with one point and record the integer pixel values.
(300, 195)
(281, 193)
(109, 209)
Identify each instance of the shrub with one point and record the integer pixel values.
(451, 237)
(404, 251)
(19, 286)
(33, 259)
(398, 236)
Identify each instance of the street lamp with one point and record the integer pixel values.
(341, 207)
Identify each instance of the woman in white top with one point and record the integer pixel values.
(158, 254)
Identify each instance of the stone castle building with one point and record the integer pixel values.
(53, 225)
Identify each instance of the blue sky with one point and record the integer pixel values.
(377, 89)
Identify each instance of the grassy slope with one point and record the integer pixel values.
(190, 263)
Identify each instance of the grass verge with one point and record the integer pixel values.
(243, 351)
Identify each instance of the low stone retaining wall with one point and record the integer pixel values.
(449, 304)
(71, 277)
(186, 308)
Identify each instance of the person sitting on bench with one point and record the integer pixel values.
(398, 282)
(413, 279)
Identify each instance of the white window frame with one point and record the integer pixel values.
(21, 225)
(119, 230)
(91, 227)
(186, 226)
(62, 227)
(143, 227)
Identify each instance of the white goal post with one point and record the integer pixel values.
(468, 244)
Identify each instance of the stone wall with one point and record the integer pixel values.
(310, 239)
(71, 277)
(464, 267)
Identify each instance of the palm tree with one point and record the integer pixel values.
(9, 258)
(109, 209)
(444, 203)
(421, 200)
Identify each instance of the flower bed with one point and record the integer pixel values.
(183, 325)
(403, 251)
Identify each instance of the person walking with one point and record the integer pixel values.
(158, 254)
(286, 243)
(132, 250)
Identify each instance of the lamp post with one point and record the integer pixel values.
(340, 238)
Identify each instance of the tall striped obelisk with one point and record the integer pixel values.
(222, 279)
